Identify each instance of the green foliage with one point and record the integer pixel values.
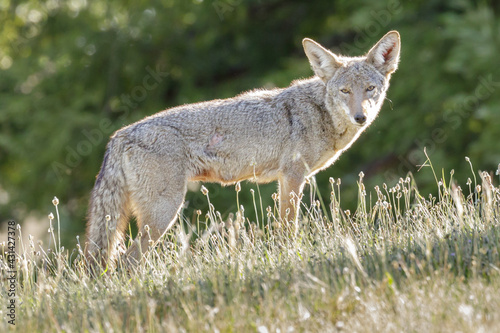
(73, 72)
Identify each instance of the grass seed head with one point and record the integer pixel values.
(204, 190)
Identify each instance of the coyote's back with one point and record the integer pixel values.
(264, 135)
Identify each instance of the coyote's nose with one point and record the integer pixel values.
(360, 118)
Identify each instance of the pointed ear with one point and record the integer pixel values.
(323, 62)
(385, 54)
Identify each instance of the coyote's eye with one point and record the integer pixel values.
(345, 91)
(370, 88)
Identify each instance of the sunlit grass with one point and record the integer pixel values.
(401, 261)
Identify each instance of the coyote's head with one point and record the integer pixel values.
(356, 85)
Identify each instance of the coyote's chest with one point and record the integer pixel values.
(336, 146)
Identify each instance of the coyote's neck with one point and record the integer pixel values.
(313, 89)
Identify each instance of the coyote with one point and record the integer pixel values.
(262, 135)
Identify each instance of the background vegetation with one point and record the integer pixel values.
(74, 71)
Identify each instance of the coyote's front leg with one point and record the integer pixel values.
(291, 184)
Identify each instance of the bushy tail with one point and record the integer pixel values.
(107, 212)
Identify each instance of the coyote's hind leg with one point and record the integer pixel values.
(157, 195)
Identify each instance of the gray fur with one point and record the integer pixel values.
(281, 134)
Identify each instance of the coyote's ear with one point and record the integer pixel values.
(323, 62)
(385, 54)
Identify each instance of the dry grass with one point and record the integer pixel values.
(404, 263)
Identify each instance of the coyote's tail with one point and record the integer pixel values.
(107, 212)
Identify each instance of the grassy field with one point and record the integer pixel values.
(400, 263)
